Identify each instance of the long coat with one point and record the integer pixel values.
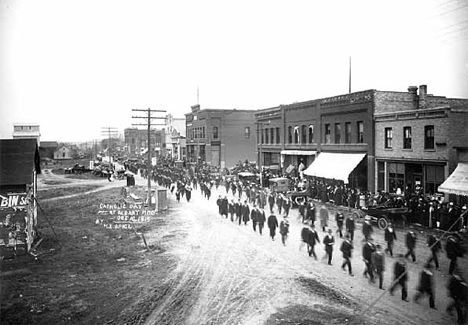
(245, 213)
(313, 238)
(272, 222)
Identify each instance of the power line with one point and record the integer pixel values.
(149, 119)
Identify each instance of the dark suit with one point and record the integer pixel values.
(272, 224)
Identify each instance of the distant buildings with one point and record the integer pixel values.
(63, 153)
(27, 131)
(220, 137)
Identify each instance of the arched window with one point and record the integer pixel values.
(303, 134)
(311, 133)
(215, 132)
(296, 134)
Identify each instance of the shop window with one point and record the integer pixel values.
(434, 178)
(429, 137)
(381, 175)
(388, 138)
(396, 177)
(407, 137)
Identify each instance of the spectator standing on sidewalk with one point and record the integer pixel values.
(454, 251)
(390, 237)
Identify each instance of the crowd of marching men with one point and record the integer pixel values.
(248, 202)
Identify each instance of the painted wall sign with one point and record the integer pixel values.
(123, 215)
(14, 200)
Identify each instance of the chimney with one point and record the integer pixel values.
(422, 97)
(413, 90)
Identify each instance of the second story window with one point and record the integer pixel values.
(388, 138)
(311, 133)
(327, 133)
(272, 135)
(247, 132)
(360, 132)
(278, 139)
(267, 138)
(347, 132)
(303, 134)
(337, 133)
(429, 137)
(215, 132)
(296, 134)
(407, 137)
(290, 134)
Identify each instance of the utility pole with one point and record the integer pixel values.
(111, 132)
(149, 118)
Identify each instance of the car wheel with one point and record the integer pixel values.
(383, 223)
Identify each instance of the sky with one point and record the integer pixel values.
(75, 67)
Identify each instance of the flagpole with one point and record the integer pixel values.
(350, 74)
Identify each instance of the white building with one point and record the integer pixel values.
(27, 131)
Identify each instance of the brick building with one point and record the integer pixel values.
(136, 141)
(339, 126)
(419, 139)
(220, 137)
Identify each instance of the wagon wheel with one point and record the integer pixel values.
(299, 200)
(383, 223)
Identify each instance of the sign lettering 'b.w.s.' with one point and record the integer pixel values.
(13, 200)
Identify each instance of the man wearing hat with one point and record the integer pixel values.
(411, 245)
(312, 239)
(390, 237)
(339, 223)
(378, 261)
(367, 229)
(350, 226)
(367, 250)
(347, 249)
(329, 241)
(426, 285)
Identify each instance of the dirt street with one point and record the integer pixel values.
(228, 274)
(201, 269)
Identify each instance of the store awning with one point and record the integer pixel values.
(334, 165)
(457, 182)
(298, 152)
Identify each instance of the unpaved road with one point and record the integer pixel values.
(228, 274)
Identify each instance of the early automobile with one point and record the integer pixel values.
(279, 184)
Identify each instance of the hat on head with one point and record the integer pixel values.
(451, 203)
(330, 231)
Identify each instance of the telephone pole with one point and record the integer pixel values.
(149, 119)
(110, 132)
